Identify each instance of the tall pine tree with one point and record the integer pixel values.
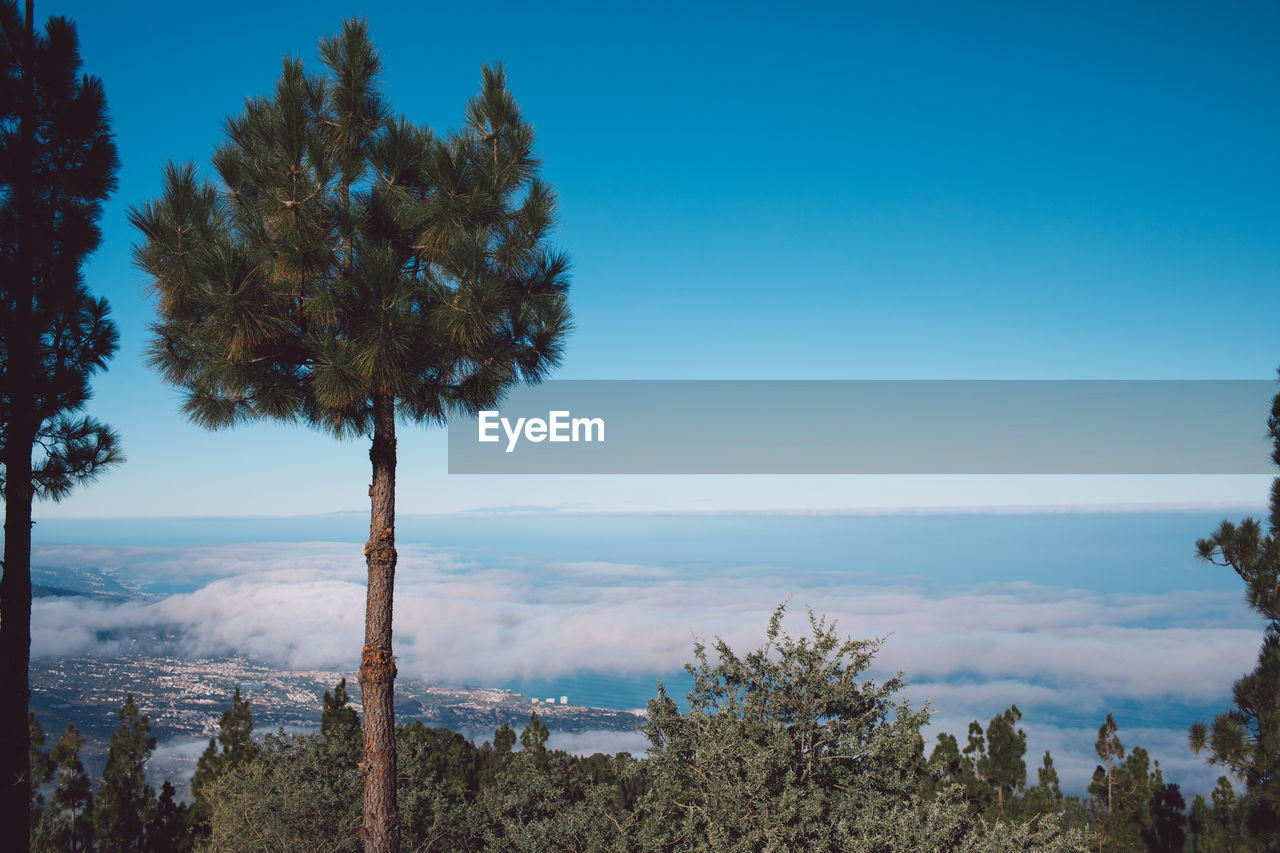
(234, 746)
(57, 165)
(125, 802)
(351, 270)
(69, 818)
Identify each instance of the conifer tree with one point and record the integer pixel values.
(125, 801)
(57, 166)
(42, 768)
(1246, 739)
(70, 813)
(232, 747)
(338, 720)
(350, 271)
(1110, 750)
(1003, 765)
(169, 831)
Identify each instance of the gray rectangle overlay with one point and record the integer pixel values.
(875, 427)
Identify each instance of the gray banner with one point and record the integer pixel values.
(871, 427)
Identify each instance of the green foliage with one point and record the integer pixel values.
(51, 197)
(68, 822)
(350, 268)
(1132, 806)
(1003, 766)
(1221, 827)
(42, 767)
(1246, 739)
(298, 792)
(57, 165)
(233, 747)
(169, 830)
(346, 257)
(125, 801)
(338, 720)
(785, 748)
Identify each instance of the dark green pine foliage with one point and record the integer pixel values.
(169, 830)
(68, 822)
(57, 165)
(1004, 766)
(1246, 738)
(338, 720)
(1046, 796)
(503, 739)
(233, 747)
(350, 270)
(1166, 832)
(1220, 827)
(125, 801)
(1133, 808)
(42, 769)
(534, 737)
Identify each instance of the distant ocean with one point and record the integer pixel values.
(1127, 551)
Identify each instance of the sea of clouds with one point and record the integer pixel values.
(1065, 656)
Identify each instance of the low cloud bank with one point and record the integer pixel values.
(968, 651)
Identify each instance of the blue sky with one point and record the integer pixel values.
(1003, 190)
(878, 191)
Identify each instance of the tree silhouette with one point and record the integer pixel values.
(57, 165)
(126, 803)
(350, 270)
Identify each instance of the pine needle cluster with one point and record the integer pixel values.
(345, 255)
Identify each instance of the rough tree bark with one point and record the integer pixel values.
(380, 825)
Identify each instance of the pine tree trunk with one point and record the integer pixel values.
(380, 825)
(15, 648)
(15, 582)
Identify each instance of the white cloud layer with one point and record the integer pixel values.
(968, 651)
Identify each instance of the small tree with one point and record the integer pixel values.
(42, 769)
(57, 165)
(234, 746)
(169, 830)
(70, 813)
(1004, 766)
(125, 801)
(338, 720)
(350, 271)
(1109, 750)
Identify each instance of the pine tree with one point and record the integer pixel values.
(1110, 750)
(57, 166)
(1246, 739)
(42, 768)
(125, 801)
(70, 813)
(1003, 765)
(338, 720)
(351, 270)
(169, 831)
(233, 747)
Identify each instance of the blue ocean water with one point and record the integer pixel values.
(1105, 552)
